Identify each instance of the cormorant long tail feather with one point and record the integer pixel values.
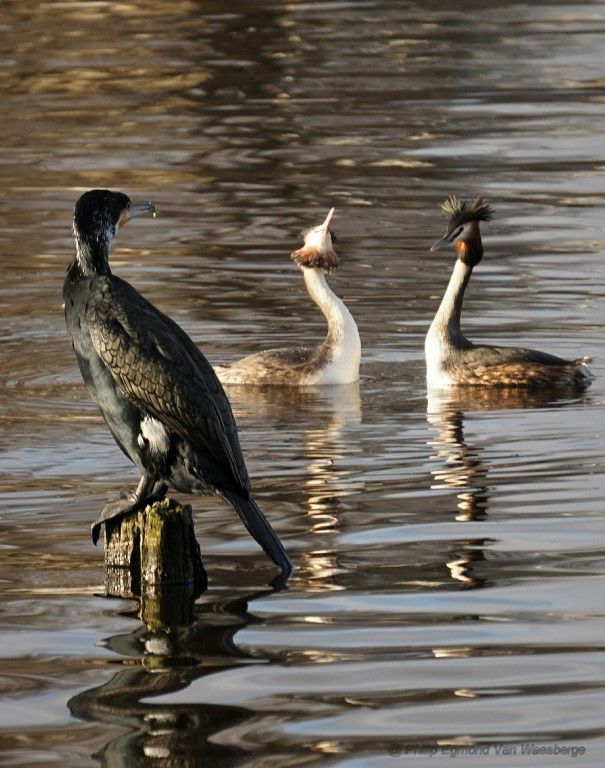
(259, 527)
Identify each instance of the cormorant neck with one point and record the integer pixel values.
(447, 320)
(92, 255)
(343, 336)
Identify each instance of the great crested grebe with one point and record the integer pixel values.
(157, 393)
(336, 360)
(451, 358)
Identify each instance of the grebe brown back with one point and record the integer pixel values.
(336, 360)
(451, 358)
(158, 394)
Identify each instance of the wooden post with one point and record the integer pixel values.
(154, 554)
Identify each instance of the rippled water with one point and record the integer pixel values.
(450, 552)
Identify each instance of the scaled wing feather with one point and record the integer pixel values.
(160, 369)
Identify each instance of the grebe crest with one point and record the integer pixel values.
(463, 227)
(318, 251)
(336, 360)
(452, 359)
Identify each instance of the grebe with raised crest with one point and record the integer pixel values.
(452, 359)
(334, 361)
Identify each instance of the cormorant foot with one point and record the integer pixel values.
(110, 511)
(125, 506)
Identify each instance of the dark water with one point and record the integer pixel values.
(450, 553)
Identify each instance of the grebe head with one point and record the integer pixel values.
(318, 250)
(463, 227)
(98, 215)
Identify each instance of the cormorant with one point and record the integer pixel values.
(450, 357)
(336, 359)
(158, 394)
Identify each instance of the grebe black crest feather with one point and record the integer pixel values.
(460, 212)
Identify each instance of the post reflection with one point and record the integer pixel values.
(160, 662)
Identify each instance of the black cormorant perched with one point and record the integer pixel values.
(157, 392)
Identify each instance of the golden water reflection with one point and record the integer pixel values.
(239, 121)
(330, 417)
(462, 467)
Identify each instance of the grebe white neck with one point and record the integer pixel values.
(342, 345)
(444, 335)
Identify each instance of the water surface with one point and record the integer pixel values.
(450, 552)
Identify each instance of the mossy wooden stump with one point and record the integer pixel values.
(154, 554)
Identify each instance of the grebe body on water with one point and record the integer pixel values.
(336, 360)
(451, 359)
(156, 391)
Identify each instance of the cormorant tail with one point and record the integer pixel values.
(259, 527)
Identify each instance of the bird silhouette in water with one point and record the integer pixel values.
(451, 359)
(158, 394)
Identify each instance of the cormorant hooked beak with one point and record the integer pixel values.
(136, 209)
(445, 240)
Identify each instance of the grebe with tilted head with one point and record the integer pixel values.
(452, 359)
(156, 391)
(336, 360)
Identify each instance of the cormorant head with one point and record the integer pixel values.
(97, 217)
(318, 250)
(463, 227)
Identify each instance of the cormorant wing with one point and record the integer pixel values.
(159, 368)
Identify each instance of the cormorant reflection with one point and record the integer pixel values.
(157, 662)
(159, 658)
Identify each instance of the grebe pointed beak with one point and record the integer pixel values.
(445, 240)
(328, 220)
(137, 209)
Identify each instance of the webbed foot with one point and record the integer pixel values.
(147, 492)
(110, 511)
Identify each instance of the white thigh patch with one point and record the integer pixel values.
(154, 433)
